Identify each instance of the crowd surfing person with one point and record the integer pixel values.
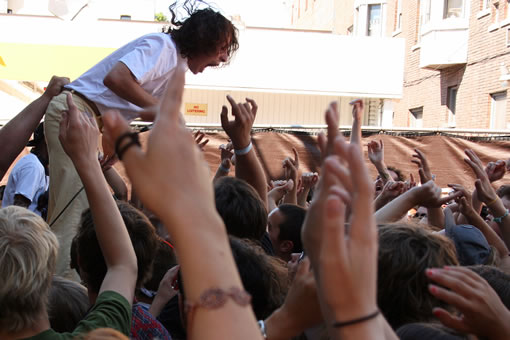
(131, 80)
(328, 255)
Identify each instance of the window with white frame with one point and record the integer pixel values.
(423, 16)
(416, 120)
(498, 110)
(453, 9)
(374, 20)
(486, 4)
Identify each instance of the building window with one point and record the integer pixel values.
(374, 20)
(498, 111)
(453, 9)
(495, 13)
(425, 11)
(416, 117)
(423, 16)
(125, 17)
(398, 16)
(486, 4)
(451, 104)
(350, 30)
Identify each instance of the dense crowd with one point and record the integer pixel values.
(186, 254)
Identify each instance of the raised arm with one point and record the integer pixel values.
(226, 154)
(291, 167)
(427, 195)
(349, 313)
(481, 311)
(16, 133)
(79, 136)
(376, 157)
(434, 213)
(358, 108)
(123, 83)
(473, 218)
(486, 194)
(214, 272)
(248, 166)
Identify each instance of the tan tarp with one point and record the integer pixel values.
(444, 153)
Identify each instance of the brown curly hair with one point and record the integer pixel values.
(405, 252)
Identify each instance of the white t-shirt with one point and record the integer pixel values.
(151, 58)
(27, 178)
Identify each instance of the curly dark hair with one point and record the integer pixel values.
(91, 261)
(204, 32)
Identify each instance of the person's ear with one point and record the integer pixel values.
(286, 246)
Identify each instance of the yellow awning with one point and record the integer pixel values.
(31, 62)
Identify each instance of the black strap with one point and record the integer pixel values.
(135, 140)
(340, 324)
(67, 205)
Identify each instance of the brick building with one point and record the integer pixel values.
(456, 57)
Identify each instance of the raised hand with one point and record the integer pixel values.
(484, 189)
(226, 152)
(376, 152)
(358, 108)
(423, 166)
(495, 170)
(339, 258)
(482, 312)
(464, 200)
(332, 120)
(166, 291)
(239, 129)
(429, 195)
(199, 139)
(55, 86)
(291, 319)
(278, 191)
(390, 191)
(289, 164)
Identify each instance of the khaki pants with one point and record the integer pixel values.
(64, 212)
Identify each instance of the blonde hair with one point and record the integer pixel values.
(28, 253)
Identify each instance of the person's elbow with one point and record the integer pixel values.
(118, 76)
(112, 80)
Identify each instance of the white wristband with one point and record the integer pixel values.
(244, 151)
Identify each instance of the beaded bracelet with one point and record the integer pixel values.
(500, 219)
(215, 298)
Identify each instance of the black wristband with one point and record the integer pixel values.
(134, 141)
(340, 324)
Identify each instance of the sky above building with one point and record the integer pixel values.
(265, 13)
